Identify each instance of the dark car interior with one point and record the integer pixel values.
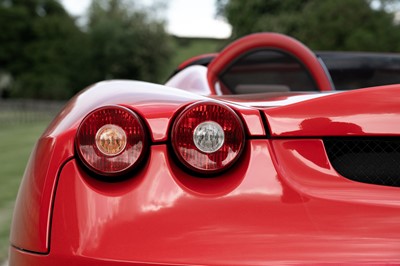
(267, 70)
(354, 70)
(273, 70)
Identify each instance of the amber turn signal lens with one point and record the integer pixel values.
(111, 141)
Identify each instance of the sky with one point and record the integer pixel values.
(185, 18)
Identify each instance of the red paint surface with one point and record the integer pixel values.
(192, 79)
(156, 104)
(281, 204)
(366, 112)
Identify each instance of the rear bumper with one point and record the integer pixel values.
(281, 203)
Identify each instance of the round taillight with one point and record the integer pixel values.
(111, 140)
(208, 137)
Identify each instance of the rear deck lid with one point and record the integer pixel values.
(363, 112)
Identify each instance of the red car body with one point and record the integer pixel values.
(283, 200)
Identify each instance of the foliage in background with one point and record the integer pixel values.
(39, 47)
(185, 48)
(366, 25)
(49, 57)
(126, 42)
(44, 54)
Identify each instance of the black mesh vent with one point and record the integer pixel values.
(373, 161)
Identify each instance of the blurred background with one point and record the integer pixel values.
(51, 49)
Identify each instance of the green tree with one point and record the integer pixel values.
(49, 57)
(325, 25)
(41, 47)
(261, 15)
(127, 42)
(348, 25)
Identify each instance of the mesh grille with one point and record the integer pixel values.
(373, 161)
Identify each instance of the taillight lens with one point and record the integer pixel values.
(208, 137)
(111, 140)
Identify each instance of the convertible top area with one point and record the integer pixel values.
(348, 70)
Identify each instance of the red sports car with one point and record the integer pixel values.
(251, 158)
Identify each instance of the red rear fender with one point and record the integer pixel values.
(364, 112)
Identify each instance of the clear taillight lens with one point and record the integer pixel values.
(208, 137)
(111, 140)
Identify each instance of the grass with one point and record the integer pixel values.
(16, 145)
(188, 47)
